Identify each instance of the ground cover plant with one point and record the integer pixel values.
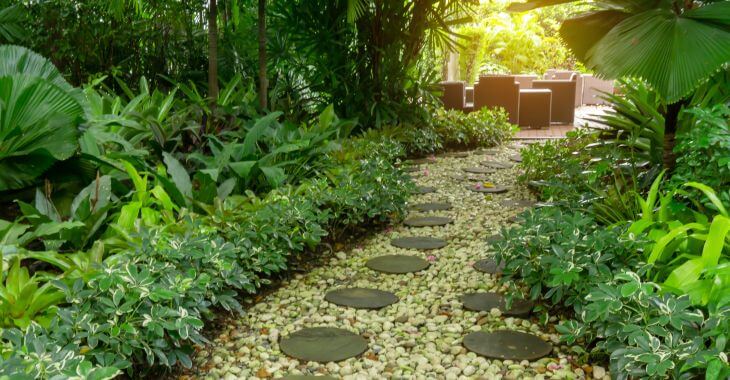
(653, 298)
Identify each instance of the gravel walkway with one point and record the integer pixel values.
(418, 337)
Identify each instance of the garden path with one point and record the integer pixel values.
(419, 336)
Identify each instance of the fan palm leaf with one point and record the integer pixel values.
(674, 48)
(39, 115)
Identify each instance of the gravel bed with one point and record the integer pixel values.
(419, 337)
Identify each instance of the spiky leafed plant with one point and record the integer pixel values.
(674, 45)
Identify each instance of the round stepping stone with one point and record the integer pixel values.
(489, 266)
(489, 190)
(514, 219)
(516, 158)
(507, 345)
(306, 377)
(428, 221)
(419, 161)
(489, 151)
(478, 170)
(497, 164)
(411, 169)
(417, 242)
(466, 177)
(424, 190)
(323, 344)
(456, 154)
(397, 264)
(361, 298)
(517, 203)
(424, 207)
(488, 301)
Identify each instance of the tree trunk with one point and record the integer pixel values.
(263, 81)
(213, 52)
(670, 128)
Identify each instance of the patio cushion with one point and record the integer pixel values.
(525, 81)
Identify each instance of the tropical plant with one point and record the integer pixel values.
(139, 120)
(561, 255)
(39, 116)
(650, 335)
(73, 226)
(508, 43)
(269, 154)
(25, 298)
(350, 56)
(11, 28)
(689, 251)
(35, 354)
(703, 151)
(634, 124)
(482, 128)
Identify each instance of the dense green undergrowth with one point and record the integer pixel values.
(637, 256)
(128, 226)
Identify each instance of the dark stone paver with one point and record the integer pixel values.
(428, 221)
(424, 190)
(479, 188)
(323, 344)
(507, 345)
(418, 242)
(436, 206)
(397, 264)
(489, 266)
(361, 298)
(486, 301)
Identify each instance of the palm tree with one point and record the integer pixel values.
(673, 45)
(213, 52)
(263, 81)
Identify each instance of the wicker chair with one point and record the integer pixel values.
(494, 91)
(562, 109)
(454, 95)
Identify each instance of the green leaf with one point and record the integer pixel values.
(710, 194)
(673, 53)
(179, 175)
(242, 168)
(715, 243)
(598, 23)
(258, 130)
(38, 123)
(274, 176)
(128, 215)
(658, 251)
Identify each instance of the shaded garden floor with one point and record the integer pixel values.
(420, 336)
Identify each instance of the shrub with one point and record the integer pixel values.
(33, 354)
(147, 305)
(482, 128)
(559, 256)
(421, 140)
(649, 334)
(703, 151)
(558, 167)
